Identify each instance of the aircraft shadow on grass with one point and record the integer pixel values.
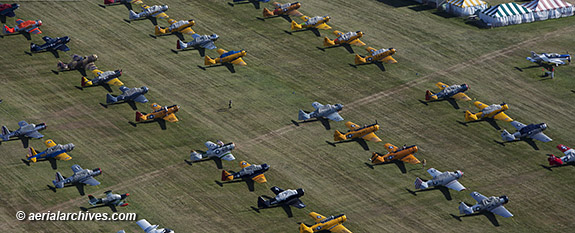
(377, 63)
(286, 17)
(550, 168)
(485, 213)
(227, 65)
(112, 207)
(129, 102)
(217, 161)
(249, 182)
(492, 122)
(177, 34)
(24, 34)
(324, 122)
(256, 3)
(82, 71)
(160, 122)
(109, 89)
(444, 191)
(54, 52)
(79, 187)
(52, 161)
(400, 165)
(451, 101)
(314, 30)
(286, 208)
(346, 46)
(360, 141)
(25, 140)
(154, 20)
(201, 51)
(527, 140)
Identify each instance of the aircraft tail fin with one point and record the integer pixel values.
(226, 176)
(295, 26)
(181, 45)
(470, 116)
(302, 115)
(59, 181)
(34, 47)
(327, 42)
(86, 82)
(93, 200)
(139, 116)
(267, 13)
(337, 136)
(133, 15)
(263, 203)
(359, 59)
(5, 133)
(209, 61)
(7, 30)
(194, 156)
(430, 95)
(159, 30)
(110, 98)
(32, 154)
(62, 66)
(304, 228)
(506, 136)
(419, 184)
(465, 209)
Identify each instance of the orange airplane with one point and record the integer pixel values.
(333, 224)
(227, 59)
(344, 39)
(29, 26)
(182, 27)
(165, 113)
(283, 10)
(394, 153)
(494, 111)
(356, 132)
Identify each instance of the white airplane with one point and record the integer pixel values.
(446, 179)
(492, 204)
(149, 228)
(555, 58)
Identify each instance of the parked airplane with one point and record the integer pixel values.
(405, 154)
(448, 92)
(104, 79)
(80, 177)
(29, 26)
(78, 63)
(312, 24)
(345, 40)
(322, 111)
(112, 200)
(150, 11)
(52, 45)
(377, 57)
(128, 95)
(492, 204)
(286, 198)
(7, 10)
(446, 179)
(54, 151)
(553, 58)
(227, 59)
(149, 228)
(181, 27)
(534, 131)
(200, 43)
(283, 10)
(23, 133)
(322, 223)
(568, 158)
(366, 132)
(249, 172)
(495, 111)
(164, 113)
(215, 151)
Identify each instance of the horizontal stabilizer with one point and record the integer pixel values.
(267, 13)
(295, 26)
(226, 176)
(194, 156)
(419, 184)
(359, 60)
(429, 95)
(263, 203)
(208, 61)
(86, 82)
(181, 45)
(305, 229)
(470, 116)
(302, 115)
(5, 133)
(139, 116)
(327, 42)
(337, 136)
(464, 209)
(59, 181)
(110, 98)
(32, 154)
(506, 136)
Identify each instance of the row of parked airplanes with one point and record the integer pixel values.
(255, 172)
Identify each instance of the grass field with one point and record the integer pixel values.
(286, 73)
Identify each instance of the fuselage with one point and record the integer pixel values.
(444, 178)
(452, 90)
(358, 133)
(106, 76)
(286, 196)
(251, 171)
(161, 113)
(490, 203)
(81, 175)
(152, 10)
(29, 128)
(492, 110)
(286, 8)
(380, 54)
(315, 21)
(326, 110)
(132, 93)
(52, 44)
(397, 155)
(230, 56)
(348, 37)
(221, 150)
(54, 151)
(329, 223)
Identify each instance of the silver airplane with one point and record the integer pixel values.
(328, 111)
(149, 228)
(199, 41)
(129, 94)
(492, 204)
(150, 11)
(555, 58)
(283, 198)
(24, 132)
(81, 176)
(215, 151)
(534, 131)
(110, 199)
(446, 179)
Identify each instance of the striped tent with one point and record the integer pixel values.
(464, 7)
(549, 9)
(506, 14)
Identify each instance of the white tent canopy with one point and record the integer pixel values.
(506, 14)
(549, 9)
(464, 7)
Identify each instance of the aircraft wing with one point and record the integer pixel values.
(502, 212)
(210, 145)
(390, 148)
(295, 13)
(337, 33)
(388, 60)
(115, 81)
(276, 190)
(372, 137)
(141, 99)
(50, 143)
(195, 35)
(297, 203)
(63, 47)
(410, 159)
(244, 164)
(479, 105)
(357, 42)
(441, 85)
(502, 117)
(239, 61)
(76, 168)
(518, 125)
(90, 181)
(541, 137)
(34, 30)
(259, 178)
(34, 134)
(63, 156)
(123, 89)
(433, 172)
(209, 45)
(161, 15)
(221, 51)
(477, 196)
(553, 60)
(19, 21)
(455, 185)
(461, 96)
(352, 125)
(334, 117)
(317, 217)
(323, 26)
(171, 118)
(97, 72)
(316, 105)
(156, 106)
(339, 229)
(188, 31)
(276, 4)
(22, 123)
(370, 50)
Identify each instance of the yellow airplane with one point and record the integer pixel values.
(313, 24)
(344, 38)
(494, 111)
(54, 151)
(104, 79)
(376, 56)
(404, 154)
(356, 132)
(227, 59)
(332, 224)
(182, 27)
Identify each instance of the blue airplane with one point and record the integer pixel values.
(129, 95)
(51, 45)
(25, 132)
(7, 10)
(54, 151)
